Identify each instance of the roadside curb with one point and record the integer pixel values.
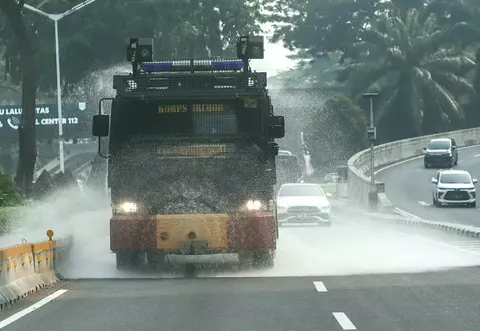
(458, 229)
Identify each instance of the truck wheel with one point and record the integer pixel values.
(156, 259)
(264, 258)
(245, 259)
(126, 259)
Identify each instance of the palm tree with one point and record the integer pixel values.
(417, 70)
(451, 12)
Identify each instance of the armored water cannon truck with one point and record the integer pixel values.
(191, 157)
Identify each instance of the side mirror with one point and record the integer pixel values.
(475, 181)
(276, 127)
(101, 125)
(424, 149)
(434, 180)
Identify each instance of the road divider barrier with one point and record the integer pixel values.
(386, 154)
(28, 267)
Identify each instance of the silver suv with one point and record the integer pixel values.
(455, 187)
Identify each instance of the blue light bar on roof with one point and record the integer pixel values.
(227, 65)
(157, 66)
(198, 65)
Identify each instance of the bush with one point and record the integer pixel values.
(336, 132)
(10, 195)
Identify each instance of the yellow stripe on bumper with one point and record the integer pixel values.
(172, 229)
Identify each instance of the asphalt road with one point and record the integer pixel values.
(409, 188)
(355, 275)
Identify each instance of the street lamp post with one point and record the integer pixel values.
(372, 136)
(56, 18)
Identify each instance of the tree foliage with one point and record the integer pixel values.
(94, 37)
(10, 194)
(419, 54)
(336, 132)
(418, 77)
(12, 13)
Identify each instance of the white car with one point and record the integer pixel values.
(302, 203)
(454, 187)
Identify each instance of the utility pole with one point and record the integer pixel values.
(372, 136)
(56, 18)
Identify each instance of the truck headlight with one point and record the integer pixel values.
(254, 205)
(127, 207)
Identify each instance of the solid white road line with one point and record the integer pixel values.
(344, 321)
(476, 155)
(30, 309)
(320, 286)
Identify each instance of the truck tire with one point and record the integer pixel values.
(264, 258)
(156, 259)
(245, 259)
(127, 259)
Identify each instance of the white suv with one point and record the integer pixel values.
(302, 203)
(455, 187)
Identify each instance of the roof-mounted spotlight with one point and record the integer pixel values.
(139, 50)
(250, 47)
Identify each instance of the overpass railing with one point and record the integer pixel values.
(390, 153)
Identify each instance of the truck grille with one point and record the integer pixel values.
(303, 209)
(457, 195)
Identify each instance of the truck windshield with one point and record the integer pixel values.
(190, 177)
(176, 117)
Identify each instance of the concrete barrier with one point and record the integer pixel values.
(27, 267)
(385, 154)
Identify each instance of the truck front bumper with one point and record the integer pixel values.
(197, 233)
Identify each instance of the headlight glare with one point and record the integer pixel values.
(254, 205)
(128, 207)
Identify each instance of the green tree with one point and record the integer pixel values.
(336, 132)
(10, 195)
(324, 26)
(12, 11)
(314, 73)
(449, 13)
(94, 38)
(420, 75)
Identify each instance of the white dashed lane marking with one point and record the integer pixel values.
(320, 286)
(344, 321)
